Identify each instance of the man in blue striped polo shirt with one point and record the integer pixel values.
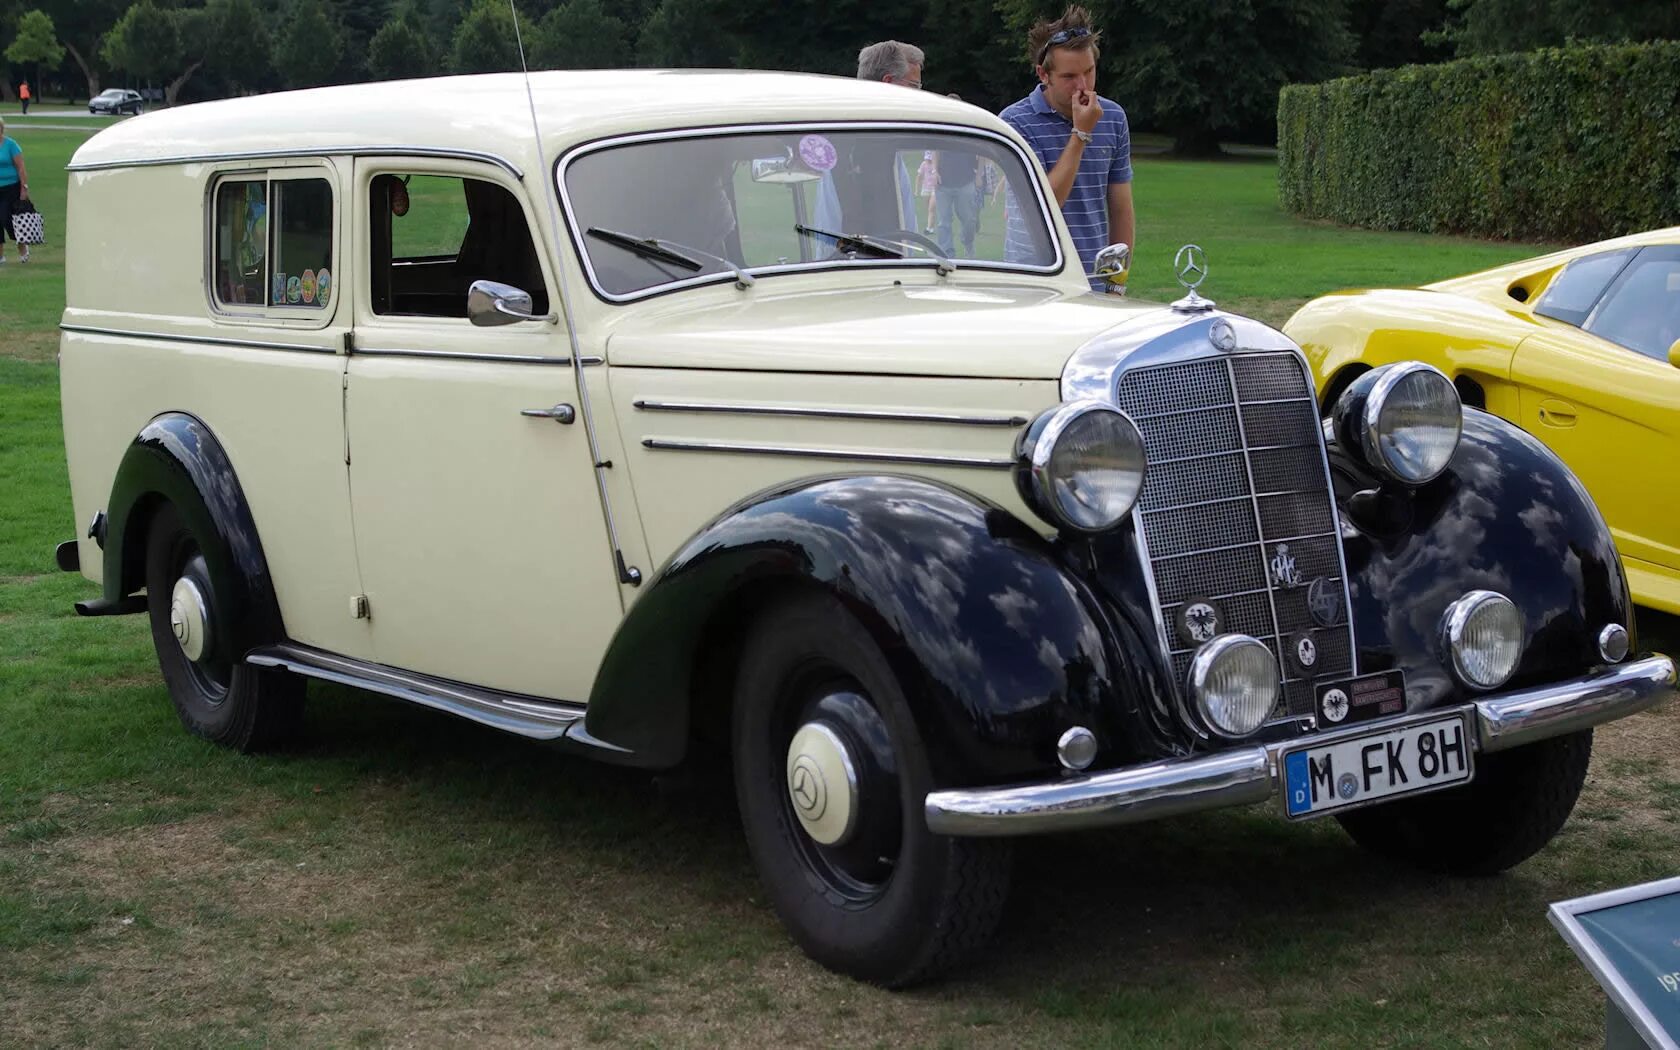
(1080, 137)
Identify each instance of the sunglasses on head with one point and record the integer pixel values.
(1061, 37)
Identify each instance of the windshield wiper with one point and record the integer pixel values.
(880, 247)
(669, 251)
(851, 242)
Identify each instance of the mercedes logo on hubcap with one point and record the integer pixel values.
(806, 788)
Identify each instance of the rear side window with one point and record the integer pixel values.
(274, 244)
(1572, 295)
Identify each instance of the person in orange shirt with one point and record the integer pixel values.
(23, 96)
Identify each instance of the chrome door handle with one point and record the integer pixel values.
(559, 413)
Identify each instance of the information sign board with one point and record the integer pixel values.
(1630, 940)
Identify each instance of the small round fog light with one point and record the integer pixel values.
(1077, 748)
(1234, 680)
(1613, 643)
(1482, 633)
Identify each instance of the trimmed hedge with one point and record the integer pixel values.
(1572, 144)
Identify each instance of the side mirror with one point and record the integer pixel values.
(491, 303)
(1112, 265)
(1674, 354)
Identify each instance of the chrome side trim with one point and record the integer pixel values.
(452, 355)
(683, 445)
(521, 715)
(198, 340)
(885, 415)
(1239, 776)
(323, 150)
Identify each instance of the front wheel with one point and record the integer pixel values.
(1518, 801)
(831, 775)
(216, 694)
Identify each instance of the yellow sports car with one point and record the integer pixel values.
(1580, 348)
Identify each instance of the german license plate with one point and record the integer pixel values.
(1385, 763)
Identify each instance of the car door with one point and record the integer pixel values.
(1596, 386)
(479, 530)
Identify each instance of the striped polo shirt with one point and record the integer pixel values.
(1107, 160)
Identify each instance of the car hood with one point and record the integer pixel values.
(1001, 331)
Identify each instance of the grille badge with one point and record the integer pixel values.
(1284, 572)
(1324, 603)
(1199, 620)
(1305, 651)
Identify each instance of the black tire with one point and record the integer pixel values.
(929, 899)
(217, 697)
(1518, 801)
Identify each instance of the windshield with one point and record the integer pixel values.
(655, 213)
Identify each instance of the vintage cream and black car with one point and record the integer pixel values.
(667, 424)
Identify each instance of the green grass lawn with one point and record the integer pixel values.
(405, 878)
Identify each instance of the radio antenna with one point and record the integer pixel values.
(627, 573)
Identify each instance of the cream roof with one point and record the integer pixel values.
(489, 113)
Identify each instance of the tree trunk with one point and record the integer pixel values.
(88, 71)
(1196, 142)
(6, 90)
(179, 82)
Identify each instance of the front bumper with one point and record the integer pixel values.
(1244, 775)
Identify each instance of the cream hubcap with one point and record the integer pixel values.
(822, 784)
(189, 618)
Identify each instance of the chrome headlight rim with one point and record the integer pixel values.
(1370, 421)
(1201, 668)
(1038, 448)
(1456, 621)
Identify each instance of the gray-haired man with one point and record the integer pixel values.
(892, 62)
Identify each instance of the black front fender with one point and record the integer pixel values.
(996, 641)
(177, 459)
(1506, 516)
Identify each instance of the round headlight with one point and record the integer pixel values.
(1081, 465)
(1234, 680)
(1405, 419)
(1482, 633)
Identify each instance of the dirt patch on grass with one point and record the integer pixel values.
(33, 346)
(202, 930)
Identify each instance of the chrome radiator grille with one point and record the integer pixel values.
(1236, 483)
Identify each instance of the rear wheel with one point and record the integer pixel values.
(216, 695)
(1517, 803)
(831, 776)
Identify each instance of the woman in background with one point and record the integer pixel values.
(14, 186)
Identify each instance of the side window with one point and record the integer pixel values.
(241, 242)
(1641, 311)
(433, 235)
(1573, 292)
(273, 243)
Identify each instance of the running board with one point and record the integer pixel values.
(525, 716)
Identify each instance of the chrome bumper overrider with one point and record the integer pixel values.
(1242, 775)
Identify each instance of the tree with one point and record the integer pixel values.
(580, 34)
(1202, 68)
(239, 41)
(82, 25)
(1485, 27)
(401, 49)
(308, 50)
(1398, 32)
(484, 41)
(146, 43)
(687, 34)
(36, 44)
